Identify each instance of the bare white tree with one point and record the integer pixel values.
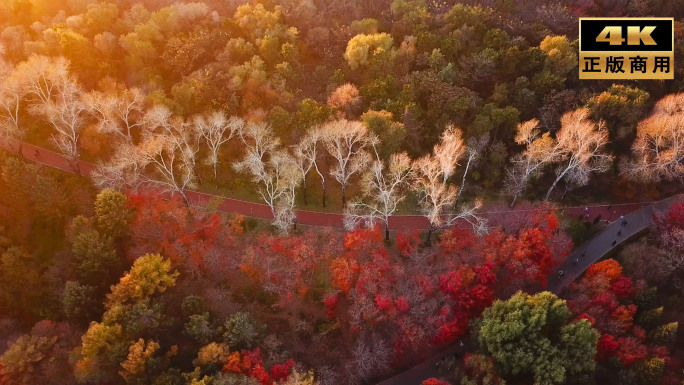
(540, 151)
(99, 105)
(11, 95)
(128, 109)
(259, 139)
(157, 162)
(43, 78)
(165, 158)
(66, 115)
(658, 151)
(273, 171)
(305, 155)
(55, 95)
(383, 190)
(316, 137)
(123, 170)
(437, 198)
(473, 152)
(117, 114)
(216, 129)
(346, 142)
(470, 215)
(449, 151)
(285, 216)
(160, 120)
(168, 168)
(581, 144)
(276, 179)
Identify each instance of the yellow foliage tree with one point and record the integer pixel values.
(560, 55)
(136, 361)
(213, 353)
(150, 274)
(362, 48)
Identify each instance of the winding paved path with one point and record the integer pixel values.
(304, 217)
(593, 250)
(586, 255)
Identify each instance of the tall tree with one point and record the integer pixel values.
(172, 168)
(55, 95)
(436, 196)
(44, 77)
(119, 113)
(150, 274)
(449, 151)
(273, 171)
(305, 157)
(362, 49)
(539, 152)
(159, 120)
(22, 286)
(658, 151)
(534, 336)
(384, 187)
(112, 213)
(130, 314)
(216, 129)
(26, 355)
(157, 162)
(259, 139)
(346, 141)
(66, 114)
(11, 96)
(276, 178)
(310, 150)
(94, 251)
(581, 144)
(473, 154)
(123, 170)
(390, 133)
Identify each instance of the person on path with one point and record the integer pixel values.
(613, 244)
(36, 153)
(623, 221)
(619, 233)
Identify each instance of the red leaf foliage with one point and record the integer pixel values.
(249, 363)
(434, 381)
(408, 243)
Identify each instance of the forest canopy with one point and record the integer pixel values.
(130, 129)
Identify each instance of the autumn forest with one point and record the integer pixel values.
(324, 192)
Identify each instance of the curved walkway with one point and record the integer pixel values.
(304, 217)
(592, 251)
(586, 255)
